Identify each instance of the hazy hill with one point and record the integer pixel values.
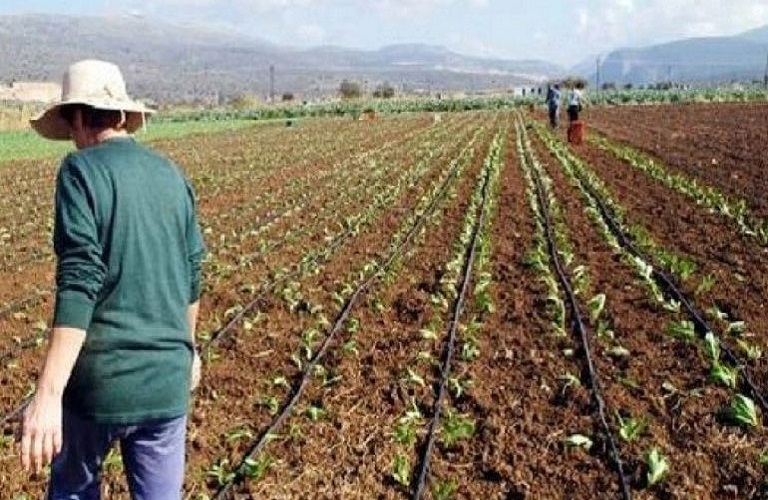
(172, 63)
(706, 59)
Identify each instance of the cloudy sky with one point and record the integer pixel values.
(562, 31)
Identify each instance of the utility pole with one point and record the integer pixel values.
(765, 75)
(597, 74)
(271, 83)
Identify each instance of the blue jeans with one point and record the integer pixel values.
(153, 456)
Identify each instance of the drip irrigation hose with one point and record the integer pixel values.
(702, 327)
(458, 307)
(578, 326)
(298, 387)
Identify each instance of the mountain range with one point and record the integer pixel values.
(186, 63)
(743, 57)
(174, 63)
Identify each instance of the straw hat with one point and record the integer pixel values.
(98, 84)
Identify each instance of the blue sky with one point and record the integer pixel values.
(561, 31)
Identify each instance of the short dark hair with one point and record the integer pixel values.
(92, 117)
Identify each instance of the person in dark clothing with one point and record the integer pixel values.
(553, 104)
(121, 359)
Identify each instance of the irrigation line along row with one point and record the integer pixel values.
(299, 386)
(458, 308)
(577, 324)
(702, 327)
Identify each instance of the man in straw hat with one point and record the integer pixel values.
(121, 358)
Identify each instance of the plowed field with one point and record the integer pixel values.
(463, 308)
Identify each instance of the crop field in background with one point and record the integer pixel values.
(467, 307)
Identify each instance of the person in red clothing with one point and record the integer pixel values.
(121, 358)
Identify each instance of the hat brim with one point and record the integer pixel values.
(51, 125)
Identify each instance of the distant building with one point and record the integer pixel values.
(30, 92)
(529, 91)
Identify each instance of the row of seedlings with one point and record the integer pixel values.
(725, 367)
(313, 347)
(736, 210)
(572, 280)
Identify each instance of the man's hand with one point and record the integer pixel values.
(41, 432)
(195, 376)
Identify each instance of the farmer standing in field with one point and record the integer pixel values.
(553, 104)
(575, 103)
(121, 358)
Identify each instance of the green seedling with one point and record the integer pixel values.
(444, 490)
(715, 313)
(315, 413)
(113, 461)
(658, 467)
(429, 332)
(458, 386)
(280, 380)
(712, 347)
(724, 374)
(221, 472)
(255, 470)
(405, 432)
(455, 427)
(350, 348)
(752, 351)
(401, 470)
(578, 441)
(707, 283)
(413, 378)
(596, 306)
(238, 434)
(271, 403)
(425, 357)
(743, 411)
(671, 305)
(736, 327)
(631, 428)
(618, 352)
(684, 330)
(569, 380)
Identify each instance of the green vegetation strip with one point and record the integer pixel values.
(705, 196)
(26, 145)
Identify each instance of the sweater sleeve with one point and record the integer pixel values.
(195, 249)
(80, 270)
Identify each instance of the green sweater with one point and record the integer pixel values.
(128, 250)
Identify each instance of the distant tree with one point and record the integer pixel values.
(627, 86)
(243, 101)
(350, 90)
(608, 86)
(384, 91)
(575, 82)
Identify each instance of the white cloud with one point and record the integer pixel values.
(474, 47)
(405, 8)
(310, 34)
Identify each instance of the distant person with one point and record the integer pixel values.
(121, 359)
(553, 104)
(575, 103)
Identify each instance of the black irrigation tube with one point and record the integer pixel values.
(580, 328)
(702, 327)
(458, 308)
(299, 385)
